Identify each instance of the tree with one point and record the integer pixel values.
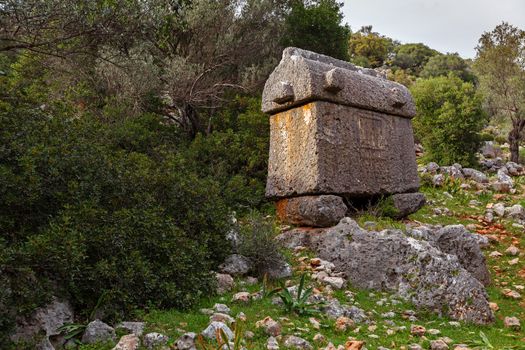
(500, 65)
(442, 65)
(412, 57)
(176, 58)
(369, 49)
(317, 26)
(450, 117)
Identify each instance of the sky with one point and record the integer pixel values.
(444, 25)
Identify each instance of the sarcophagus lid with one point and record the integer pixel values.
(304, 76)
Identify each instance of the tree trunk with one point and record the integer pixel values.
(514, 139)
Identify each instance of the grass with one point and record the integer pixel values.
(394, 335)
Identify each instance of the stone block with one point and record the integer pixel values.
(326, 148)
(316, 211)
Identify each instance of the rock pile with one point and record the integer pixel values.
(501, 182)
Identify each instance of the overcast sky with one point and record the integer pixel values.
(444, 25)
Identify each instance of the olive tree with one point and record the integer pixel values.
(500, 65)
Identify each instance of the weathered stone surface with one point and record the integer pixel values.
(324, 148)
(211, 331)
(236, 265)
(458, 241)
(154, 339)
(316, 211)
(128, 342)
(304, 76)
(186, 341)
(136, 328)
(391, 260)
(44, 320)
(224, 283)
(279, 270)
(298, 343)
(408, 203)
(98, 331)
(475, 175)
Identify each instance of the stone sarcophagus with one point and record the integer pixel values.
(336, 131)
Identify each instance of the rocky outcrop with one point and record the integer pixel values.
(418, 270)
(45, 320)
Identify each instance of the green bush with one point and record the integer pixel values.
(256, 241)
(235, 154)
(91, 208)
(449, 120)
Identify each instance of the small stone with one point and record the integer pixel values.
(417, 330)
(186, 341)
(433, 331)
(152, 340)
(220, 317)
(461, 347)
(250, 281)
(335, 282)
(512, 250)
(243, 297)
(270, 326)
(319, 338)
(499, 209)
(343, 323)
(354, 345)
(241, 316)
(272, 344)
(128, 342)
(295, 342)
(495, 254)
(235, 265)
(249, 335)
(211, 331)
(407, 203)
(136, 328)
(315, 323)
(454, 324)
(511, 294)
(493, 306)
(207, 311)
(222, 308)
(97, 331)
(224, 283)
(415, 347)
(512, 322)
(514, 261)
(389, 314)
(438, 345)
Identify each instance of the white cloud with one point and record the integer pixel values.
(445, 25)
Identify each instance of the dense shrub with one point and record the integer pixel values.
(449, 119)
(235, 154)
(256, 241)
(91, 208)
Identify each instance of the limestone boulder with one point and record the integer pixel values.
(391, 260)
(407, 203)
(313, 211)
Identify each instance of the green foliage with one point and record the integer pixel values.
(256, 242)
(443, 65)
(317, 26)
(235, 154)
(450, 118)
(500, 66)
(369, 49)
(412, 57)
(91, 208)
(298, 304)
